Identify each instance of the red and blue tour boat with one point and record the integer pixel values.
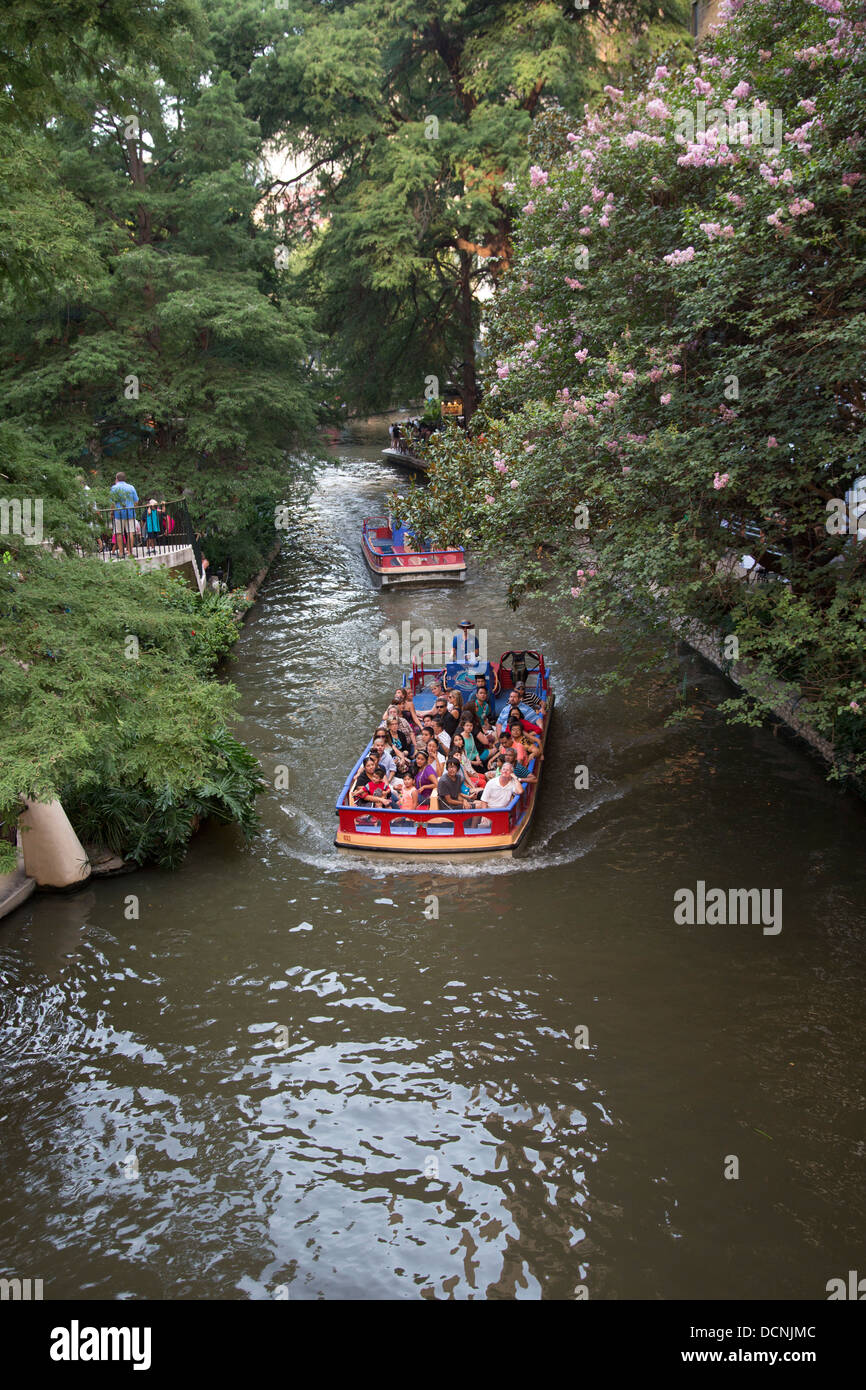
(396, 558)
(446, 831)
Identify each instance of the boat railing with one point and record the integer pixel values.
(399, 559)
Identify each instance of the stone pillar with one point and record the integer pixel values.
(53, 854)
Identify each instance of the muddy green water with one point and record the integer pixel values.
(285, 1080)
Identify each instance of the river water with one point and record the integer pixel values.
(290, 1077)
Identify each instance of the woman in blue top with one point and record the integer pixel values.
(152, 522)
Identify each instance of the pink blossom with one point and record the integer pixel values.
(666, 398)
(585, 231)
(721, 480)
(680, 257)
(800, 206)
(580, 574)
(629, 376)
(571, 137)
(613, 92)
(582, 355)
(585, 210)
(655, 374)
(852, 704)
(537, 177)
(702, 88)
(849, 180)
(574, 284)
(502, 372)
(660, 73)
(597, 194)
(742, 89)
(775, 218)
(727, 414)
(657, 109)
(604, 220)
(529, 208)
(808, 105)
(501, 467)
(674, 368)
(626, 468)
(489, 500)
(772, 442)
(735, 198)
(765, 54)
(591, 574)
(529, 448)
(514, 482)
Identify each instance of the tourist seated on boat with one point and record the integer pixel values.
(426, 777)
(383, 752)
(406, 707)
(405, 767)
(404, 793)
(436, 756)
(522, 760)
(400, 741)
(534, 701)
(440, 733)
(450, 795)
(467, 771)
(444, 715)
(480, 704)
(406, 729)
(502, 751)
(487, 739)
(362, 790)
(514, 703)
(471, 748)
(523, 729)
(501, 790)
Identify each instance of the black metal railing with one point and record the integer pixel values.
(144, 529)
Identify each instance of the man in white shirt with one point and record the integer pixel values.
(501, 790)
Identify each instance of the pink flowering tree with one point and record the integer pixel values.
(681, 338)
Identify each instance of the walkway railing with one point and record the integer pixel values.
(142, 530)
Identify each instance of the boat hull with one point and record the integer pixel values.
(397, 579)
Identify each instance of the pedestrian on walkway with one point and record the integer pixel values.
(125, 499)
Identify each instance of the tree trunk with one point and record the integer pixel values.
(467, 337)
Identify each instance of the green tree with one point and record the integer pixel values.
(408, 120)
(181, 357)
(676, 374)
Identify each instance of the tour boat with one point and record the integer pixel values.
(450, 832)
(407, 460)
(396, 558)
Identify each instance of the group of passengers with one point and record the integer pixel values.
(454, 756)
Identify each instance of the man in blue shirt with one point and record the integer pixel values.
(526, 711)
(125, 498)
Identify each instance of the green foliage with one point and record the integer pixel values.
(676, 368)
(153, 823)
(173, 349)
(407, 120)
